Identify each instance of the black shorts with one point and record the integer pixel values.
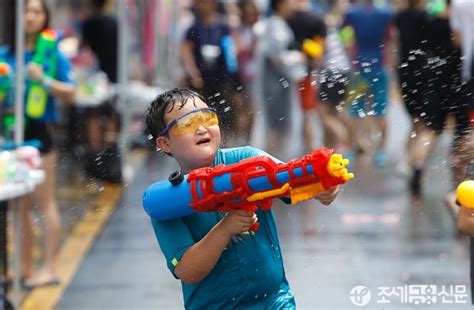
(451, 97)
(333, 86)
(41, 132)
(413, 81)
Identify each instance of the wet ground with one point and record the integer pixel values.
(371, 236)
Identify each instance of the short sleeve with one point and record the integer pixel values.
(65, 73)
(455, 18)
(174, 239)
(349, 18)
(191, 34)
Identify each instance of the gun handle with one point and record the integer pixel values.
(256, 225)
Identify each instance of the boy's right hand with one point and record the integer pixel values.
(238, 221)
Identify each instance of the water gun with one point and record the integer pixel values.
(245, 185)
(436, 7)
(230, 54)
(465, 190)
(313, 47)
(347, 35)
(46, 56)
(4, 80)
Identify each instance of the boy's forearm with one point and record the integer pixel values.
(200, 259)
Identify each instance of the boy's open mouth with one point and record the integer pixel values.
(203, 141)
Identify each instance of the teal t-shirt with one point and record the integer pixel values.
(248, 275)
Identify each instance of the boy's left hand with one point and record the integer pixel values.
(328, 195)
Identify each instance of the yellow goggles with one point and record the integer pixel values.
(190, 122)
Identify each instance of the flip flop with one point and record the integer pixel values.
(52, 282)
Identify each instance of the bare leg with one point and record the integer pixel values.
(421, 144)
(25, 206)
(112, 128)
(94, 131)
(245, 115)
(462, 154)
(352, 125)
(308, 130)
(335, 131)
(46, 199)
(381, 124)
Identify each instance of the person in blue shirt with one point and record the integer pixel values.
(372, 31)
(219, 263)
(206, 61)
(49, 79)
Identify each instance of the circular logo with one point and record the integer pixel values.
(360, 295)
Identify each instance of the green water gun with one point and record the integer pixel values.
(4, 80)
(436, 7)
(45, 55)
(346, 34)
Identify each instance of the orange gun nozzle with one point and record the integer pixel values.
(4, 69)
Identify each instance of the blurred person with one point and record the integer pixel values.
(100, 34)
(461, 16)
(412, 24)
(431, 83)
(48, 73)
(246, 42)
(278, 71)
(307, 25)
(372, 31)
(334, 80)
(206, 58)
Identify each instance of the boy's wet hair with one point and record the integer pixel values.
(165, 103)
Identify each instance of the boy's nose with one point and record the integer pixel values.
(201, 129)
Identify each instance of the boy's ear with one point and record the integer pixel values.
(163, 144)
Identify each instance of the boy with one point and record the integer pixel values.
(217, 267)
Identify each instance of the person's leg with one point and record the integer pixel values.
(335, 132)
(307, 96)
(112, 128)
(45, 196)
(379, 86)
(25, 205)
(308, 130)
(94, 132)
(277, 99)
